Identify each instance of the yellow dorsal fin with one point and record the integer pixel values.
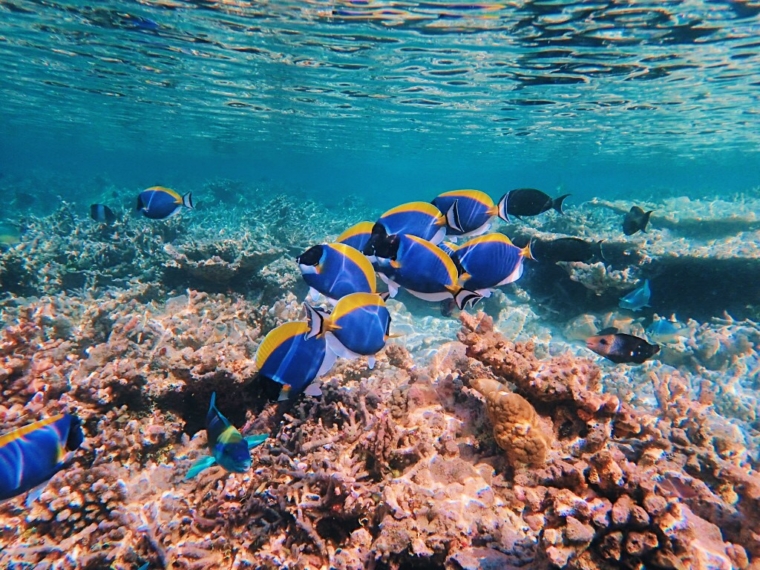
(26, 430)
(360, 260)
(477, 195)
(277, 337)
(355, 301)
(440, 254)
(166, 190)
(487, 238)
(355, 230)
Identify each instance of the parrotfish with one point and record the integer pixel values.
(468, 212)
(102, 213)
(336, 270)
(565, 249)
(620, 347)
(357, 235)
(159, 203)
(289, 358)
(665, 330)
(31, 455)
(489, 261)
(424, 270)
(358, 326)
(229, 449)
(528, 202)
(636, 220)
(637, 299)
(420, 219)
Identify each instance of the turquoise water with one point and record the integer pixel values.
(385, 97)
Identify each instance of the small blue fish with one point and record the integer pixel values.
(358, 326)
(665, 330)
(637, 299)
(490, 261)
(229, 448)
(336, 270)
(159, 203)
(31, 455)
(420, 219)
(357, 235)
(468, 212)
(424, 270)
(289, 358)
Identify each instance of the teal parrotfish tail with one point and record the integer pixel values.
(421, 219)
(424, 270)
(159, 203)
(468, 213)
(229, 448)
(289, 358)
(357, 235)
(358, 326)
(489, 261)
(336, 270)
(637, 299)
(32, 454)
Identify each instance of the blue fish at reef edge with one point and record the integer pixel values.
(32, 454)
(229, 448)
(159, 203)
(637, 299)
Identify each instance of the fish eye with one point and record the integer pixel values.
(603, 342)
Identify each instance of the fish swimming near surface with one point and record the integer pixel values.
(636, 220)
(289, 358)
(637, 299)
(621, 348)
(102, 213)
(32, 454)
(489, 261)
(528, 202)
(468, 213)
(420, 219)
(358, 326)
(357, 235)
(336, 270)
(566, 249)
(424, 270)
(666, 330)
(159, 203)
(229, 449)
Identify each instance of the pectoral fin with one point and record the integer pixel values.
(200, 465)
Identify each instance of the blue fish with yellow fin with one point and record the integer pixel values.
(420, 219)
(229, 449)
(358, 326)
(489, 261)
(424, 270)
(289, 357)
(468, 213)
(637, 299)
(336, 270)
(32, 454)
(357, 235)
(159, 203)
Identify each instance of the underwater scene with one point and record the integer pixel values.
(382, 284)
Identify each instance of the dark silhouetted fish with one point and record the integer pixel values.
(528, 202)
(102, 213)
(621, 348)
(566, 249)
(636, 220)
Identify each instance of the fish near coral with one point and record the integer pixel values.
(424, 270)
(32, 454)
(516, 426)
(420, 219)
(667, 330)
(636, 220)
(358, 326)
(528, 202)
(621, 348)
(102, 213)
(336, 270)
(159, 203)
(229, 449)
(566, 249)
(637, 299)
(357, 235)
(468, 212)
(489, 261)
(289, 358)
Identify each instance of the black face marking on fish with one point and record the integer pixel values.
(311, 256)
